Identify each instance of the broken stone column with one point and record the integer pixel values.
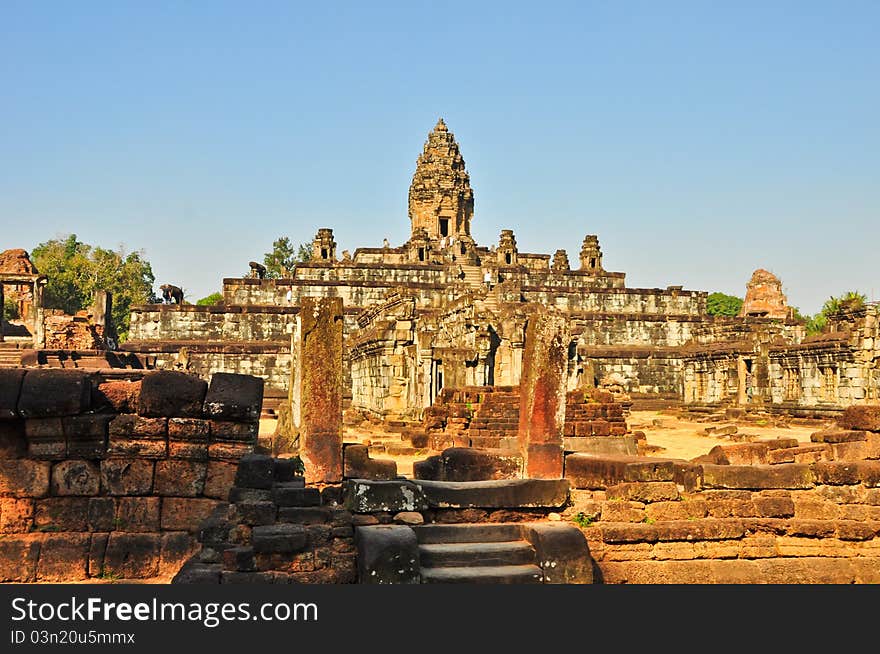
(319, 377)
(542, 394)
(102, 317)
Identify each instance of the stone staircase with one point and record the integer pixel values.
(473, 276)
(476, 554)
(10, 355)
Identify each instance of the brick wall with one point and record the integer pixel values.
(764, 512)
(110, 479)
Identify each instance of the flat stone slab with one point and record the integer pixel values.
(495, 494)
(625, 445)
(595, 471)
(368, 495)
(757, 477)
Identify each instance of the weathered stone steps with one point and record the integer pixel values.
(448, 555)
(505, 574)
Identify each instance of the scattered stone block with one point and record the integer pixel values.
(861, 417)
(167, 393)
(838, 436)
(387, 554)
(495, 494)
(64, 558)
(13, 444)
(132, 556)
(180, 477)
(409, 518)
(357, 464)
(255, 471)
(54, 393)
(121, 396)
(234, 397)
(61, 514)
(10, 390)
(127, 476)
(656, 491)
(101, 513)
(789, 475)
(75, 477)
(137, 514)
(186, 513)
(368, 496)
(294, 494)
(24, 478)
(279, 539)
(219, 479)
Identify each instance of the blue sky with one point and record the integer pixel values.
(699, 140)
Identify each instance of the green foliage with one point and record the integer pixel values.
(582, 520)
(720, 304)
(109, 575)
(77, 270)
(283, 257)
(298, 466)
(849, 301)
(210, 300)
(10, 309)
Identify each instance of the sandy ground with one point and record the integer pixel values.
(681, 439)
(666, 433)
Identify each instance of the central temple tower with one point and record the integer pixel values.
(441, 201)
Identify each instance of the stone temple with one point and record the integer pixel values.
(515, 375)
(443, 311)
(437, 311)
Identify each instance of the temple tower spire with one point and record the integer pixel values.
(441, 200)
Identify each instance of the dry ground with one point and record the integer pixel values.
(681, 438)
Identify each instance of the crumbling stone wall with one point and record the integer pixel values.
(773, 511)
(768, 363)
(110, 479)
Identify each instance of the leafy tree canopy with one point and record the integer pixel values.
(284, 256)
(77, 270)
(721, 304)
(210, 300)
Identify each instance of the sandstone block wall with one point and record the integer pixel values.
(111, 479)
(766, 512)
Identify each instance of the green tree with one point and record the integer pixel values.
(849, 301)
(10, 309)
(720, 304)
(283, 257)
(210, 300)
(77, 270)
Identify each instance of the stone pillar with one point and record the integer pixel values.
(320, 378)
(102, 316)
(2, 311)
(39, 314)
(542, 394)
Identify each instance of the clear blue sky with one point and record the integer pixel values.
(699, 140)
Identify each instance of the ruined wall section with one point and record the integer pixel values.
(773, 511)
(358, 285)
(841, 368)
(111, 479)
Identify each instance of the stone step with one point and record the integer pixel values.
(458, 555)
(403, 449)
(503, 574)
(468, 533)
